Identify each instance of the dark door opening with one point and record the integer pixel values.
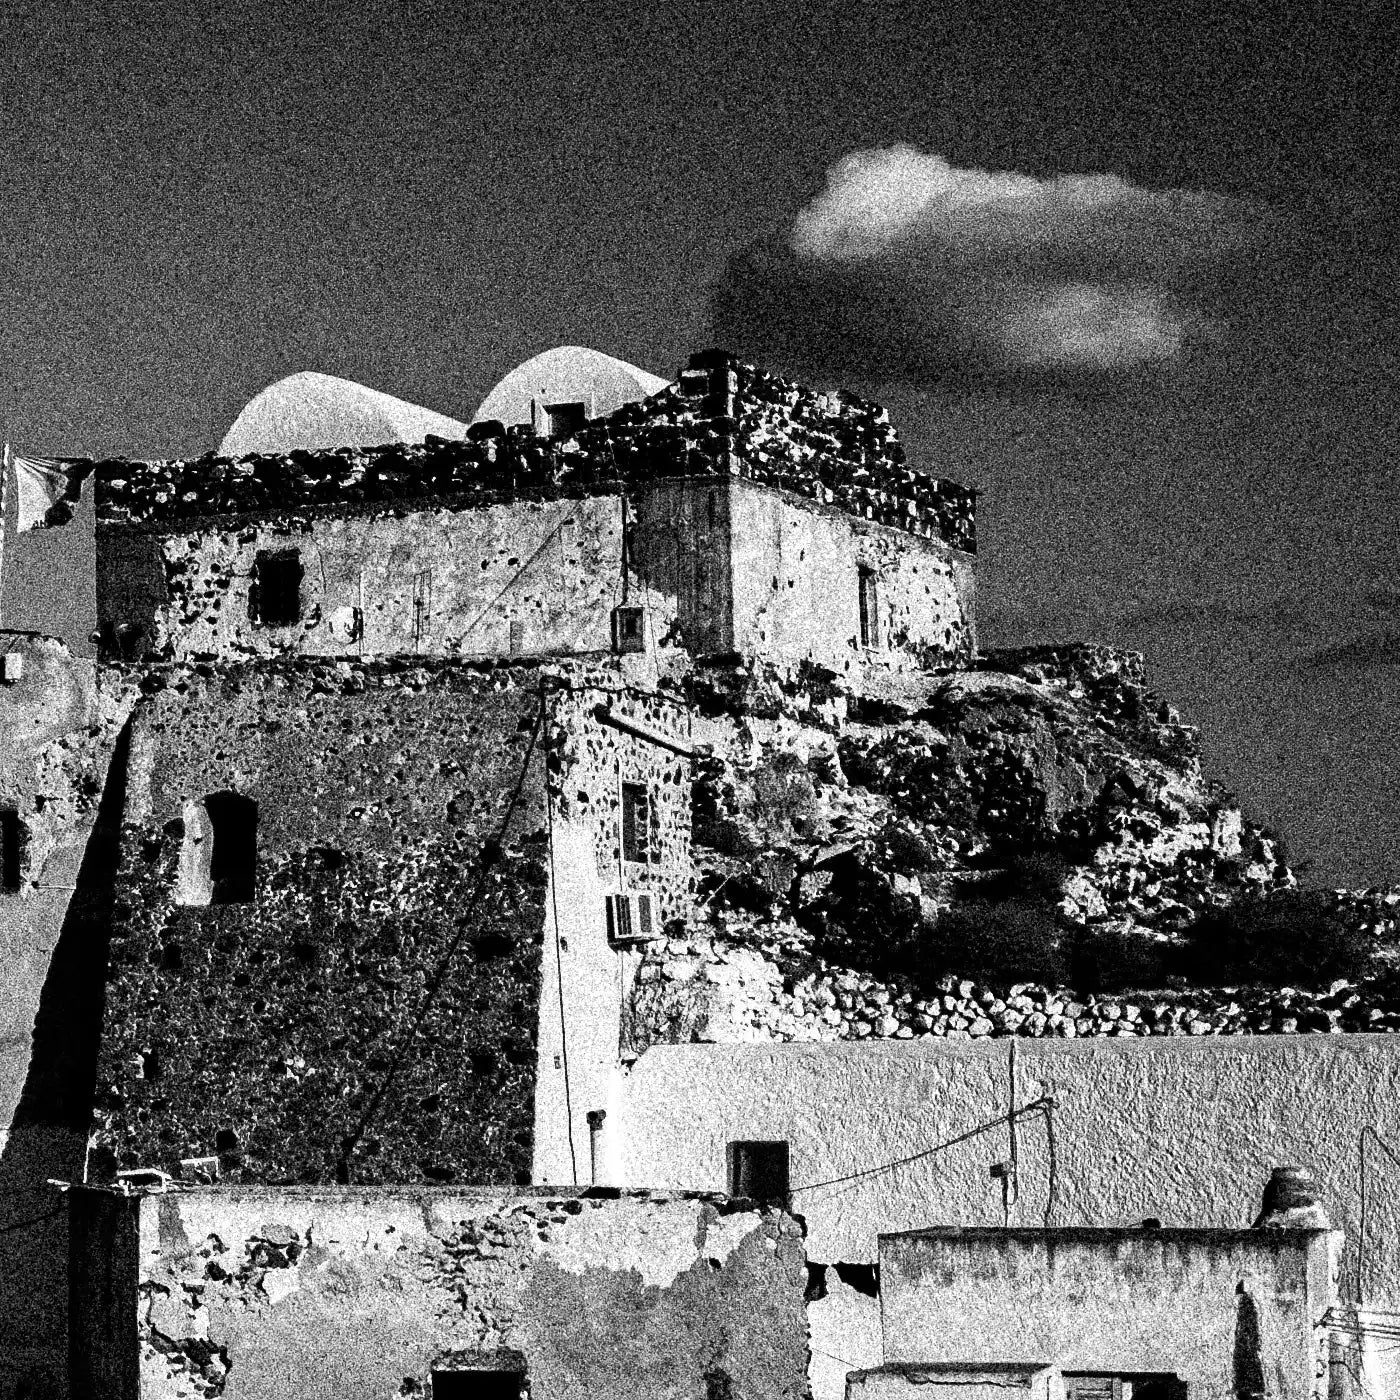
(478, 1385)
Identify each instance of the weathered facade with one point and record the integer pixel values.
(1181, 1312)
(389, 1292)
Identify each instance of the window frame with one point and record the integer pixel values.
(268, 569)
(638, 848)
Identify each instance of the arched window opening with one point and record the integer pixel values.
(219, 853)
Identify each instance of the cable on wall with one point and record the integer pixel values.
(1035, 1106)
(492, 846)
(559, 966)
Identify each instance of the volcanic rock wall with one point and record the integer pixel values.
(266, 1293)
(399, 822)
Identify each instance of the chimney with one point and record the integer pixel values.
(1292, 1201)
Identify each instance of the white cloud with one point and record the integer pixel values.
(907, 261)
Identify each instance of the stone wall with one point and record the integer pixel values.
(260, 1031)
(722, 419)
(1217, 1309)
(797, 571)
(266, 1293)
(530, 578)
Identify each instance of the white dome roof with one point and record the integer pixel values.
(568, 374)
(311, 410)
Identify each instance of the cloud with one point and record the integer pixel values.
(1378, 649)
(906, 265)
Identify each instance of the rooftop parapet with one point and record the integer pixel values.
(723, 418)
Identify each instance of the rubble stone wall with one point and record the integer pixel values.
(259, 1031)
(263, 1293)
(723, 418)
(1211, 1307)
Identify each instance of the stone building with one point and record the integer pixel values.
(464, 861)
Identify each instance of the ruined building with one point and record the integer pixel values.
(474, 903)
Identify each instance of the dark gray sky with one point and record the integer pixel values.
(197, 202)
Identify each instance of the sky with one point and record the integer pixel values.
(1129, 269)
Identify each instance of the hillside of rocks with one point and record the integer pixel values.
(1026, 847)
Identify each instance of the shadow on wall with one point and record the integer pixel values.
(48, 1137)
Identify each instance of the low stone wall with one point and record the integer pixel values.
(733, 992)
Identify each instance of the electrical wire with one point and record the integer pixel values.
(33, 1220)
(1035, 1106)
(352, 1140)
(559, 970)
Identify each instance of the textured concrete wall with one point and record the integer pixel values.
(1183, 1130)
(797, 567)
(261, 1030)
(584, 979)
(527, 578)
(271, 1293)
(1230, 1313)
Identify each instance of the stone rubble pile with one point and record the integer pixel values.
(738, 993)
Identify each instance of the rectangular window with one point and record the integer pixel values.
(565, 420)
(478, 1385)
(1125, 1385)
(11, 850)
(869, 609)
(422, 603)
(628, 629)
(636, 822)
(759, 1170)
(276, 600)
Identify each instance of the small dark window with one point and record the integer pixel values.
(276, 600)
(1125, 1385)
(478, 1385)
(869, 609)
(422, 604)
(636, 822)
(759, 1170)
(566, 420)
(233, 863)
(11, 849)
(628, 629)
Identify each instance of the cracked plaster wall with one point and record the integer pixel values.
(1210, 1307)
(269, 1293)
(526, 578)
